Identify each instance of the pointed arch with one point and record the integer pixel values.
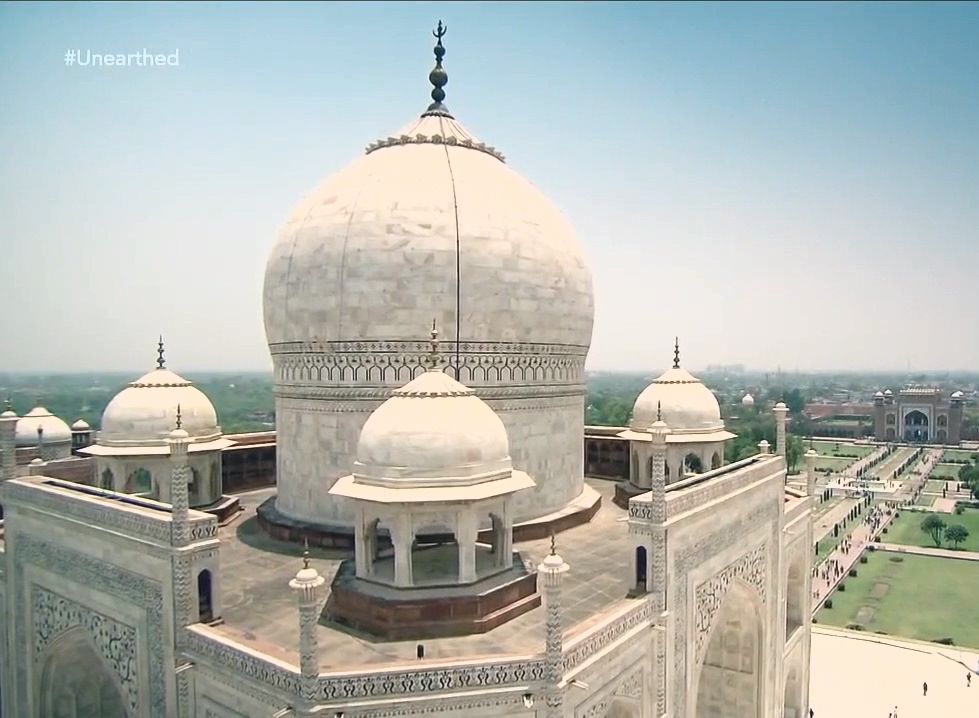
(75, 681)
(728, 680)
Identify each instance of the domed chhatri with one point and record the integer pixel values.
(695, 442)
(40, 428)
(131, 446)
(432, 461)
(747, 400)
(427, 221)
(687, 405)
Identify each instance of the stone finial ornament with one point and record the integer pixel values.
(179, 418)
(438, 76)
(161, 361)
(676, 353)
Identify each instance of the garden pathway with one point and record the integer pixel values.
(859, 538)
(924, 551)
(826, 522)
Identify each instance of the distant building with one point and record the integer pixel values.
(918, 414)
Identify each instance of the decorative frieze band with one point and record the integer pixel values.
(395, 363)
(582, 648)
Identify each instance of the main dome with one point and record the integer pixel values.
(429, 223)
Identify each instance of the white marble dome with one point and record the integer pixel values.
(434, 431)
(55, 430)
(145, 412)
(428, 223)
(80, 425)
(957, 395)
(747, 400)
(399, 222)
(687, 405)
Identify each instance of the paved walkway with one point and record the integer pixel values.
(861, 676)
(859, 538)
(924, 551)
(825, 523)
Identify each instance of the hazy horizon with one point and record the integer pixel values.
(779, 184)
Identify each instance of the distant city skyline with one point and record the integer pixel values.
(778, 183)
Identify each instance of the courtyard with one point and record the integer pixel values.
(860, 676)
(921, 597)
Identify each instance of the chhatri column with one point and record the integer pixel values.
(8, 431)
(401, 539)
(811, 471)
(466, 542)
(551, 573)
(179, 441)
(780, 411)
(308, 588)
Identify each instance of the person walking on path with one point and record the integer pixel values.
(924, 688)
(968, 679)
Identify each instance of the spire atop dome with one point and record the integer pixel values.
(434, 358)
(438, 76)
(161, 362)
(676, 353)
(305, 552)
(179, 418)
(659, 410)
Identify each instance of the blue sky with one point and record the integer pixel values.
(779, 184)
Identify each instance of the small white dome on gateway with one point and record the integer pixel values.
(54, 430)
(888, 392)
(687, 405)
(80, 425)
(747, 400)
(145, 412)
(957, 395)
(878, 393)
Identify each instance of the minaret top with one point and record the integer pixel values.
(438, 76)
(8, 409)
(676, 353)
(161, 362)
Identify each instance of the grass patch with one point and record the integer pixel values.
(906, 530)
(958, 454)
(841, 448)
(936, 486)
(925, 598)
(946, 471)
(925, 500)
(832, 462)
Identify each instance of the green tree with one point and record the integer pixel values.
(794, 450)
(934, 526)
(956, 534)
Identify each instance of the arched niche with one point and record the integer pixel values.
(75, 681)
(728, 681)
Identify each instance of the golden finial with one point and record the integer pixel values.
(161, 362)
(179, 418)
(676, 353)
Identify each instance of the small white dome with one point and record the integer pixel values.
(433, 431)
(780, 406)
(145, 412)
(878, 393)
(687, 405)
(888, 392)
(747, 400)
(957, 395)
(80, 425)
(55, 430)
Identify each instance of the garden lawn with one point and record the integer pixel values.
(832, 462)
(936, 487)
(958, 454)
(907, 530)
(925, 500)
(920, 597)
(828, 448)
(946, 471)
